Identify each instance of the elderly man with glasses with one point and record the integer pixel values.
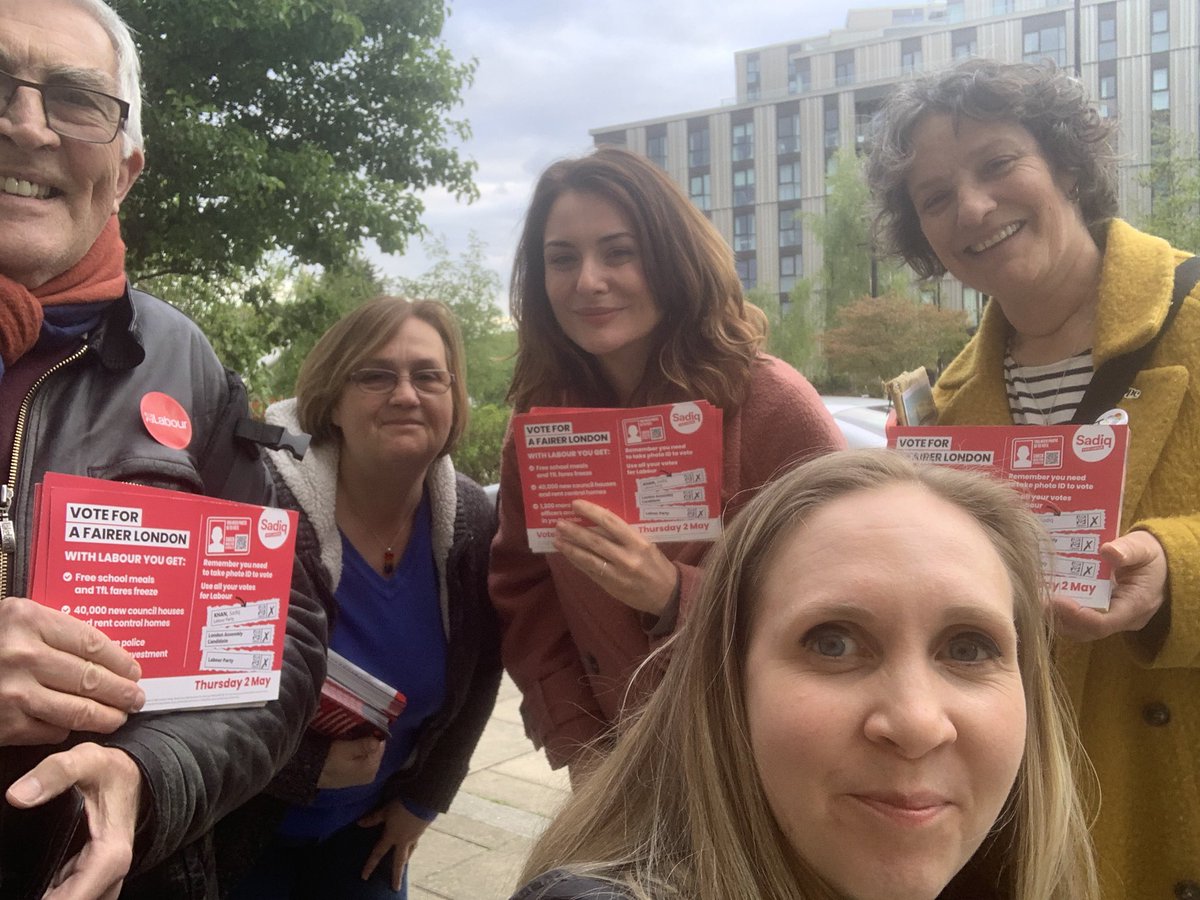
(79, 350)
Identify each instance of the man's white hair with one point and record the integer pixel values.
(129, 68)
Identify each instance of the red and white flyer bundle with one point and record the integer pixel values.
(657, 467)
(195, 588)
(354, 703)
(1072, 476)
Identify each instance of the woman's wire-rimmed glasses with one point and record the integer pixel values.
(384, 381)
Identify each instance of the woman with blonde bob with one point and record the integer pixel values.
(861, 705)
(625, 295)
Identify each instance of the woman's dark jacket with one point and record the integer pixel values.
(464, 522)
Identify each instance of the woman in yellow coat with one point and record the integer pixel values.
(1001, 175)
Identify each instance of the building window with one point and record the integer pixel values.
(962, 43)
(955, 10)
(1160, 88)
(743, 141)
(799, 74)
(698, 150)
(789, 227)
(910, 55)
(1108, 96)
(1160, 27)
(611, 139)
(1045, 37)
(787, 133)
(1002, 7)
(789, 181)
(1160, 136)
(753, 77)
(743, 231)
(700, 190)
(747, 270)
(864, 114)
(843, 67)
(656, 146)
(832, 123)
(743, 187)
(973, 305)
(791, 267)
(1106, 32)
(910, 16)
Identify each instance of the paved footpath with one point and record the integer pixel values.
(475, 851)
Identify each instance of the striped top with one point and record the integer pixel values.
(1046, 395)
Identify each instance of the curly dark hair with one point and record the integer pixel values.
(1048, 102)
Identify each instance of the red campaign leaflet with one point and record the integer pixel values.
(657, 467)
(195, 588)
(354, 703)
(1072, 476)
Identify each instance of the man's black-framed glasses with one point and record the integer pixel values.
(384, 381)
(71, 111)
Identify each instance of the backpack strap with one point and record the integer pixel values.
(1110, 382)
(255, 434)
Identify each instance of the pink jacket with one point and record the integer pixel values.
(570, 647)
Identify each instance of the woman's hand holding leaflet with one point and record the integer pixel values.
(1140, 575)
(618, 559)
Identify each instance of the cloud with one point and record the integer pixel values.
(549, 72)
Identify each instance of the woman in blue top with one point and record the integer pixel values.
(402, 542)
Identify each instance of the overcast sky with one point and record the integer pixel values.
(550, 71)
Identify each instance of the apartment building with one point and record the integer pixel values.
(754, 162)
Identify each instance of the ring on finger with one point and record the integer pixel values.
(603, 569)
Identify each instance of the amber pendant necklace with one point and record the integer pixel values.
(389, 553)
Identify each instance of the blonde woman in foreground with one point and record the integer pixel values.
(861, 705)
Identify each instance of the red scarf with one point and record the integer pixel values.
(99, 275)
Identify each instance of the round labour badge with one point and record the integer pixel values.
(166, 420)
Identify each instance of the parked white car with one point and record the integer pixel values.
(861, 419)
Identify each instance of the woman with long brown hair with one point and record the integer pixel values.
(625, 295)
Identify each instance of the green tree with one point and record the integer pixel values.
(1174, 182)
(314, 302)
(471, 289)
(792, 331)
(845, 235)
(478, 453)
(233, 312)
(880, 337)
(263, 323)
(301, 126)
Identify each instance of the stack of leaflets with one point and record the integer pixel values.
(1072, 477)
(912, 397)
(195, 588)
(657, 467)
(354, 703)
